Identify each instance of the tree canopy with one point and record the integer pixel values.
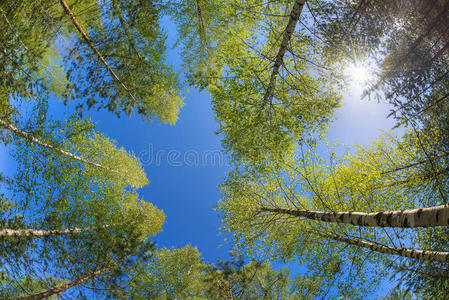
(306, 217)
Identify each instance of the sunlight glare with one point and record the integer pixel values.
(358, 74)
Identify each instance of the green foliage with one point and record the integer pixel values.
(181, 273)
(20, 287)
(119, 165)
(229, 49)
(399, 294)
(269, 122)
(405, 40)
(254, 280)
(427, 280)
(167, 274)
(55, 191)
(392, 168)
(134, 48)
(41, 51)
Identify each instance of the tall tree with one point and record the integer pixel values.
(267, 91)
(426, 280)
(406, 40)
(181, 273)
(95, 150)
(283, 212)
(53, 192)
(42, 52)
(418, 217)
(132, 53)
(67, 286)
(8, 126)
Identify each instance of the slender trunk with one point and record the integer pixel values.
(38, 233)
(92, 46)
(19, 132)
(430, 106)
(231, 296)
(405, 252)
(438, 276)
(420, 217)
(201, 23)
(67, 286)
(125, 29)
(279, 59)
(414, 164)
(415, 44)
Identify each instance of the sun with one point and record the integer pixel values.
(358, 74)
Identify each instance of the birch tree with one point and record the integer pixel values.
(104, 276)
(80, 143)
(31, 61)
(69, 215)
(265, 94)
(347, 199)
(132, 53)
(42, 51)
(428, 279)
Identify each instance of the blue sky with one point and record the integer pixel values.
(183, 177)
(183, 164)
(184, 168)
(182, 160)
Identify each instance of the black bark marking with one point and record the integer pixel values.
(389, 219)
(360, 221)
(419, 213)
(405, 223)
(379, 218)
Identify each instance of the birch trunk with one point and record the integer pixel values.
(26, 135)
(429, 160)
(92, 46)
(201, 23)
(231, 296)
(279, 59)
(420, 217)
(38, 233)
(125, 29)
(405, 252)
(67, 286)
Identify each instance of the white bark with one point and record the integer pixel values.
(92, 46)
(19, 132)
(43, 232)
(419, 217)
(405, 252)
(279, 59)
